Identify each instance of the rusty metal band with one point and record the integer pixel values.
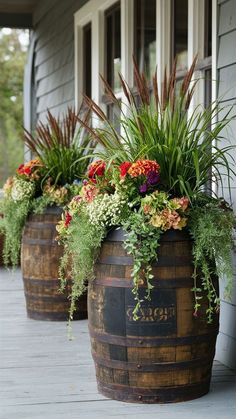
(119, 235)
(42, 282)
(37, 314)
(158, 283)
(142, 342)
(41, 225)
(153, 367)
(52, 210)
(46, 298)
(155, 395)
(39, 242)
(165, 261)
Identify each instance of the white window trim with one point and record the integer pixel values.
(93, 12)
(163, 38)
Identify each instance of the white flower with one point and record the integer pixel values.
(105, 210)
(22, 190)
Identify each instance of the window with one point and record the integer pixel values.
(87, 59)
(155, 31)
(145, 35)
(180, 33)
(207, 64)
(113, 46)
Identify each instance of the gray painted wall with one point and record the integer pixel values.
(226, 344)
(54, 55)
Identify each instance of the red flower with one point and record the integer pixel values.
(96, 169)
(124, 167)
(20, 168)
(68, 219)
(27, 170)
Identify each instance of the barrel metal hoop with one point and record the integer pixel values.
(153, 367)
(39, 225)
(163, 261)
(155, 395)
(39, 242)
(143, 342)
(158, 283)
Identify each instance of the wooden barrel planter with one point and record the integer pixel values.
(165, 356)
(40, 255)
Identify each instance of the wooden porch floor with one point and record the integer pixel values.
(43, 375)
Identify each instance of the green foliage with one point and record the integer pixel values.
(142, 242)
(210, 224)
(12, 62)
(80, 253)
(12, 224)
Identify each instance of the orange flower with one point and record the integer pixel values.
(26, 169)
(168, 219)
(143, 167)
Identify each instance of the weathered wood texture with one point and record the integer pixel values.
(166, 355)
(226, 65)
(54, 55)
(40, 257)
(45, 375)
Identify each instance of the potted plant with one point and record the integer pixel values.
(154, 238)
(32, 206)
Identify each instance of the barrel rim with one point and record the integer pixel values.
(118, 234)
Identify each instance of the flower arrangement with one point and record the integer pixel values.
(52, 178)
(151, 177)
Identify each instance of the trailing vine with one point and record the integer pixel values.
(12, 224)
(142, 242)
(80, 254)
(210, 225)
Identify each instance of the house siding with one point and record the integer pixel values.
(54, 55)
(226, 66)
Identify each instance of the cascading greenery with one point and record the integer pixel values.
(210, 224)
(15, 214)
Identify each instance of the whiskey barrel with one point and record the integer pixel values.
(40, 256)
(165, 356)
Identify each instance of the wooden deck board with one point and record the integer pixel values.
(44, 375)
